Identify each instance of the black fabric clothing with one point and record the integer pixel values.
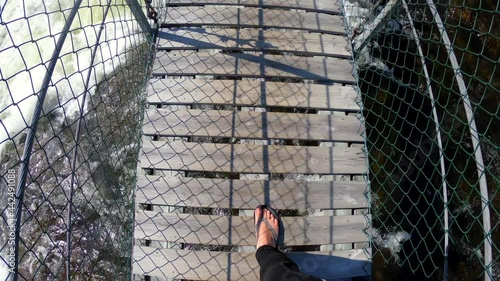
(276, 266)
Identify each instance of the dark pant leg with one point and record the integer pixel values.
(276, 266)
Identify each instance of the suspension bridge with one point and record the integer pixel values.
(250, 104)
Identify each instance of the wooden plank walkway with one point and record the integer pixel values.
(321, 6)
(230, 16)
(250, 102)
(210, 265)
(246, 65)
(245, 194)
(251, 125)
(238, 230)
(251, 40)
(252, 93)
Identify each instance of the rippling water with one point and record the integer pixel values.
(105, 164)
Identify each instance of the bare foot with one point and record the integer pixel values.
(265, 235)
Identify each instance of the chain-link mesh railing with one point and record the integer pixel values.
(249, 102)
(71, 76)
(429, 85)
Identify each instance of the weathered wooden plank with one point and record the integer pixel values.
(251, 125)
(253, 40)
(253, 18)
(237, 230)
(324, 6)
(247, 158)
(223, 266)
(253, 65)
(252, 93)
(246, 194)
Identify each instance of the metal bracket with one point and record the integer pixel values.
(360, 41)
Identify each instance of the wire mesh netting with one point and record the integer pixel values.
(249, 102)
(72, 114)
(429, 85)
(70, 105)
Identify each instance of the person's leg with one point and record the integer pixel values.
(274, 265)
